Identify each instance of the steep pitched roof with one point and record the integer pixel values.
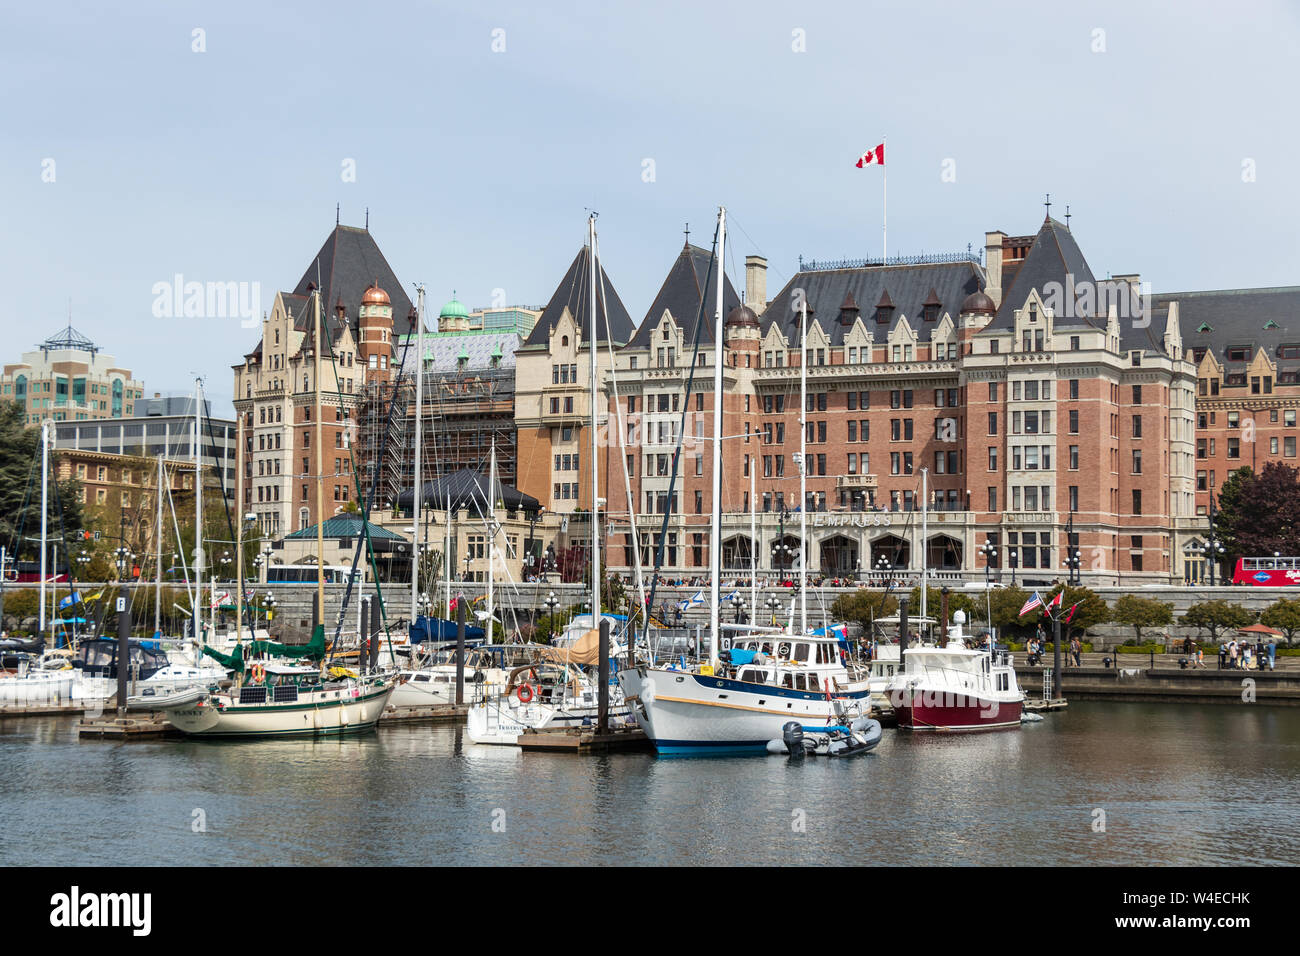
(907, 287)
(346, 526)
(1257, 318)
(444, 350)
(1053, 255)
(350, 261)
(574, 293)
(683, 289)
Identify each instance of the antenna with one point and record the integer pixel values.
(1048, 204)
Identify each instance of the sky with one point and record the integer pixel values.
(214, 140)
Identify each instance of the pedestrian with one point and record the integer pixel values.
(1232, 655)
(1246, 657)
(1077, 647)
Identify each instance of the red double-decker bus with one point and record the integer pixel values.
(1267, 572)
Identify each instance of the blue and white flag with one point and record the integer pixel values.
(73, 598)
(696, 600)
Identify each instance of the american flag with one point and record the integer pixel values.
(1032, 603)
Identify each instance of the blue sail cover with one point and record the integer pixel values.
(438, 630)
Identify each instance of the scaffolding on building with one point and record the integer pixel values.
(466, 413)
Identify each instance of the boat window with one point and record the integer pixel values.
(783, 649)
(767, 645)
(423, 677)
(801, 652)
(799, 682)
(787, 681)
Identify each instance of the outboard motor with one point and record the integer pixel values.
(792, 734)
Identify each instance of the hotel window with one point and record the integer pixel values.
(993, 391)
(864, 430)
(853, 431)
(1074, 388)
(1234, 419)
(1137, 461)
(1074, 457)
(1272, 446)
(993, 423)
(1137, 501)
(1074, 421)
(1234, 447)
(993, 499)
(1288, 447)
(1074, 497)
(993, 459)
(1137, 426)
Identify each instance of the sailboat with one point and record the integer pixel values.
(745, 695)
(273, 697)
(559, 692)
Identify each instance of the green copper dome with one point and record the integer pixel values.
(454, 309)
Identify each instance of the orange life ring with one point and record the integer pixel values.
(523, 689)
(259, 673)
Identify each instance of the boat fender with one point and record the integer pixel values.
(524, 692)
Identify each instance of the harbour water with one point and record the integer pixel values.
(1177, 785)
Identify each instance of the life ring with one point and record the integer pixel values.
(259, 673)
(524, 692)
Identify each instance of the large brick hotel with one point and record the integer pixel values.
(1056, 416)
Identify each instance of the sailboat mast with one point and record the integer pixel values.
(446, 556)
(46, 428)
(595, 472)
(239, 537)
(803, 465)
(199, 563)
(320, 468)
(417, 488)
(753, 549)
(158, 536)
(490, 630)
(715, 534)
(925, 502)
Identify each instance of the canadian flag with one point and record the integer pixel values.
(872, 157)
(1053, 603)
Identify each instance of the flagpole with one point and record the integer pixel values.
(884, 216)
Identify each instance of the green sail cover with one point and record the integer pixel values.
(231, 662)
(234, 661)
(314, 649)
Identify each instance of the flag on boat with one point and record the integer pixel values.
(732, 596)
(220, 599)
(1069, 615)
(1032, 603)
(1053, 603)
(872, 157)
(73, 598)
(94, 597)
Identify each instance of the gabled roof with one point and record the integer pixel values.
(1053, 255)
(350, 261)
(574, 293)
(468, 489)
(681, 294)
(907, 287)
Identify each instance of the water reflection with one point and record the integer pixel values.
(1177, 785)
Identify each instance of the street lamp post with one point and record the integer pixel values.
(990, 555)
(1012, 555)
(772, 604)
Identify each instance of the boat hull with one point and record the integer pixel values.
(328, 715)
(919, 709)
(686, 714)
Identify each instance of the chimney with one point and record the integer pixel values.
(993, 265)
(756, 283)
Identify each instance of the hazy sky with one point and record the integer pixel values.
(478, 166)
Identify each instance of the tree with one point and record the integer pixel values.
(1005, 605)
(934, 602)
(864, 607)
(1092, 609)
(1260, 513)
(1284, 615)
(1216, 616)
(20, 484)
(1142, 613)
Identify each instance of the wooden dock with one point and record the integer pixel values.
(584, 740)
(434, 714)
(65, 709)
(144, 727)
(1040, 705)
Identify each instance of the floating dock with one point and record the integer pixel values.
(1040, 705)
(434, 714)
(143, 727)
(584, 740)
(65, 709)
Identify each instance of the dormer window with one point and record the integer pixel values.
(1033, 312)
(1205, 327)
(1239, 353)
(564, 341)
